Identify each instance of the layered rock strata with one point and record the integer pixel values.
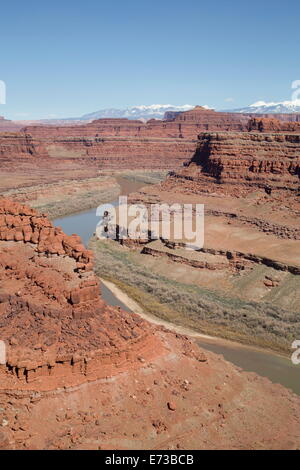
(237, 164)
(123, 143)
(9, 126)
(53, 321)
(79, 374)
(259, 124)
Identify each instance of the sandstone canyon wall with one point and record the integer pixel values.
(123, 143)
(273, 125)
(242, 160)
(80, 375)
(249, 185)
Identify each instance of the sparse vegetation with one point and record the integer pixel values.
(204, 310)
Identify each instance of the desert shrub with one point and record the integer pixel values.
(259, 323)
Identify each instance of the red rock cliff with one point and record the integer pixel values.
(52, 318)
(248, 159)
(273, 125)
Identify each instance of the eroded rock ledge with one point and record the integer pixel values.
(52, 318)
(80, 374)
(267, 161)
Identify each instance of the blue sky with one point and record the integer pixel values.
(66, 58)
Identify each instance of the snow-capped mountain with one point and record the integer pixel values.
(154, 111)
(261, 107)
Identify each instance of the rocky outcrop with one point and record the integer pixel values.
(20, 223)
(79, 374)
(200, 119)
(266, 161)
(259, 124)
(17, 145)
(212, 259)
(183, 398)
(262, 167)
(52, 318)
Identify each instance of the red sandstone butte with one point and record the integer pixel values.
(241, 162)
(82, 375)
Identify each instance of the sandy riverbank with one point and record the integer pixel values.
(136, 308)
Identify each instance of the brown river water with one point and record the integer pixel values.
(277, 368)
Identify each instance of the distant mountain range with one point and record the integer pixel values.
(157, 111)
(154, 111)
(261, 107)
